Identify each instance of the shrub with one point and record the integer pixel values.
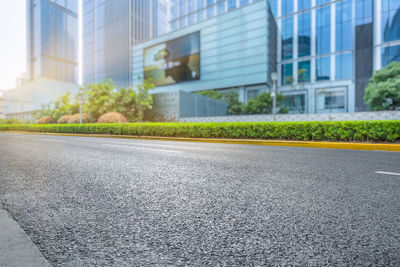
(378, 131)
(64, 119)
(46, 120)
(112, 117)
(86, 118)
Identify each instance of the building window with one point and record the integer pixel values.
(304, 4)
(390, 54)
(304, 40)
(363, 12)
(252, 94)
(287, 7)
(274, 7)
(344, 66)
(323, 68)
(287, 73)
(244, 2)
(200, 6)
(344, 32)
(295, 103)
(231, 4)
(321, 2)
(287, 38)
(304, 71)
(210, 8)
(390, 20)
(323, 30)
(221, 7)
(331, 100)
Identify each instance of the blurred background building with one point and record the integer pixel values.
(110, 29)
(52, 57)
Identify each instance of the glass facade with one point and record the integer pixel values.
(287, 38)
(364, 12)
(323, 68)
(390, 54)
(304, 72)
(344, 66)
(331, 100)
(304, 38)
(110, 28)
(287, 73)
(390, 20)
(344, 29)
(323, 30)
(295, 103)
(52, 35)
(287, 7)
(187, 12)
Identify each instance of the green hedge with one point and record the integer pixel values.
(307, 131)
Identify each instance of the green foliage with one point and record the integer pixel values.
(211, 93)
(63, 105)
(235, 107)
(99, 98)
(378, 131)
(262, 104)
(383, 91)
(143, 100)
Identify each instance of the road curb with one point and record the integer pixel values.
(330, 145)
(16, 248)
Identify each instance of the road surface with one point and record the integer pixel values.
(108, 201)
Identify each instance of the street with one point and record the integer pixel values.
(122, 202)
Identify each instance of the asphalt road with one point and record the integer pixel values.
(101, 202)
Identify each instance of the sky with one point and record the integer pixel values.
(12, 41)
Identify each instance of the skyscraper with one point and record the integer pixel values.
(52, 40)
(110, 29)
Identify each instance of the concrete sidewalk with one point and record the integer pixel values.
(16, 248)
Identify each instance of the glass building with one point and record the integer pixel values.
(52, 40)
(110, 29)
(328, 50)
(187, 12)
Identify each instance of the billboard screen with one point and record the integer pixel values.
(174, 61)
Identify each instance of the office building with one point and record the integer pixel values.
(328, 50)
(52, 40)
(110, 29)
(232, 50)
(52, 58)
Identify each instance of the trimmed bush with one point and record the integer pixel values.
(64, 119)
(370, 131)
(86, 118)
(112, 117)
(46, 120)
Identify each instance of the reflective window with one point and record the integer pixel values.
(295, 103)
(231, 4)
(220, 7)
(331, 100)
(304, 40)
(363, 12)
(323, 31)
(210, 8)
(304, 4)
(287, 73)
(323, 68)
(390, 20)
(274, 7)
(287, 7)
(244, 2)
(344, 66)
(344, 29)
(320, 2)
(200, 6)
(304, 71)
(390, 54)
(287, 38)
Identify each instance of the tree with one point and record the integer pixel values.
(63, 105)
(143, 100)
(262, 104)
(100, 98)
(383, 91)
(235, 107)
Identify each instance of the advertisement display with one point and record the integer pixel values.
(174, 61)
